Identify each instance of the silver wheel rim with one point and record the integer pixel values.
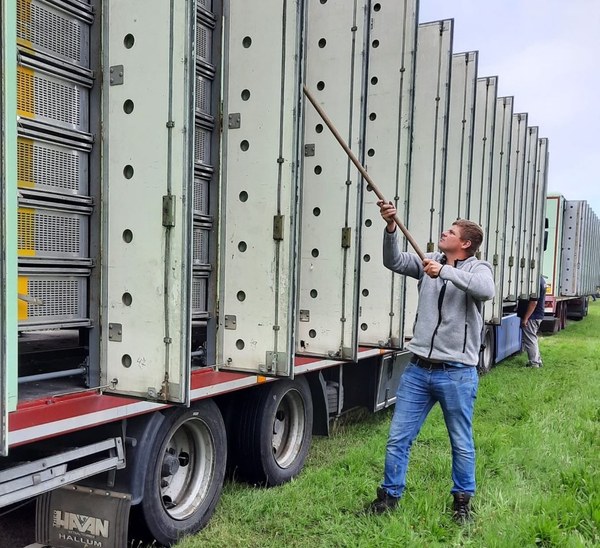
(487, 351)
(187, 468)
(288, 429)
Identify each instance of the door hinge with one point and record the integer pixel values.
(278, 227)
(169, 211)
(346, 237)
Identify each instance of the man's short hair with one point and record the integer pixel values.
(470, 231)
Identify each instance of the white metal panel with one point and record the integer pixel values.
(527, 214)
(336, 41)
(461, 121)
(495, 242)
(430, 134)
(572, 247)
(147, 156)
(552, 255)
(387, 134)
(483, 149)
(539, 210)
(8, 222)
(513, 211)
(259, 187)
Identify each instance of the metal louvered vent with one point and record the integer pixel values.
(57, 101)
(61, 298)
(202, 141)
(54, 32)
(199, 288)
(51, 234)
(201, 196)
(203, 95)
(51, 167)
(200, 245)
(203, 43)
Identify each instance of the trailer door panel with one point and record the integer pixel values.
(148, 163)
(8, 223)
(425, 197)
(495, 240)
(257, 272)
(336, 38)
(388, 130)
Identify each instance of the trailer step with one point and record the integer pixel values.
(33, 478)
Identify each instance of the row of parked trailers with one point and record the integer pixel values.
(180, 227)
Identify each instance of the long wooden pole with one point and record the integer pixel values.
(360, 168)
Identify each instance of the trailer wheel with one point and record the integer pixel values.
(486, 356)
(274, 432)
(185, 474)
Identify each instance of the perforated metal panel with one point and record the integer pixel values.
(199, 296)
(48, 233)
(204, 43)
(42, 27)
(388, 126)
(200, 245)
(203, 95)
(63, 298)
(201, 195)
(259, 187)
(430, 132)
(50, 167)
(202, 145)
(538, 221)
(572, 248)
(46, 98)
(331, 186)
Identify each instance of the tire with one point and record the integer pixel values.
(486, 356)
(274, 432)
(185, 473)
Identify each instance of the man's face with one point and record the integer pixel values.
(451, 240)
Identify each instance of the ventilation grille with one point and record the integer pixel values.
(63, 298)
(199, 294)
(203, 43)
(51, 99)
(49, 167)
(200, 246)
(53, 31)
(203, 95)
(201, 196)
(202, 139)
(45, 233)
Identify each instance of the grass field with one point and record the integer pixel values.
(537, 434)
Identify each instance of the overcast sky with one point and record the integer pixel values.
(546, 53)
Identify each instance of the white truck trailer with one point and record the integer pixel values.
(198, 265)
(571, 260)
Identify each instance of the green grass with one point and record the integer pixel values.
(537, 434)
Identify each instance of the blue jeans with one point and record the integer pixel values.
(456, 389)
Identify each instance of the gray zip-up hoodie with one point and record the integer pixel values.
(448, 324)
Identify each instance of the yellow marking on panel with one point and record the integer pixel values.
(22, 306)
(24, 22)
(25, 92)
(26, 232)
(25, 163)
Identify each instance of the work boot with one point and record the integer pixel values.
(382, 503)
(461, 510)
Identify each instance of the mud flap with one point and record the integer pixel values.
(76, 516)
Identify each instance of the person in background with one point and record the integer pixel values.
(453, 285)
(531, 318)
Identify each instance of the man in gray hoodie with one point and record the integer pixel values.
(452, 286)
